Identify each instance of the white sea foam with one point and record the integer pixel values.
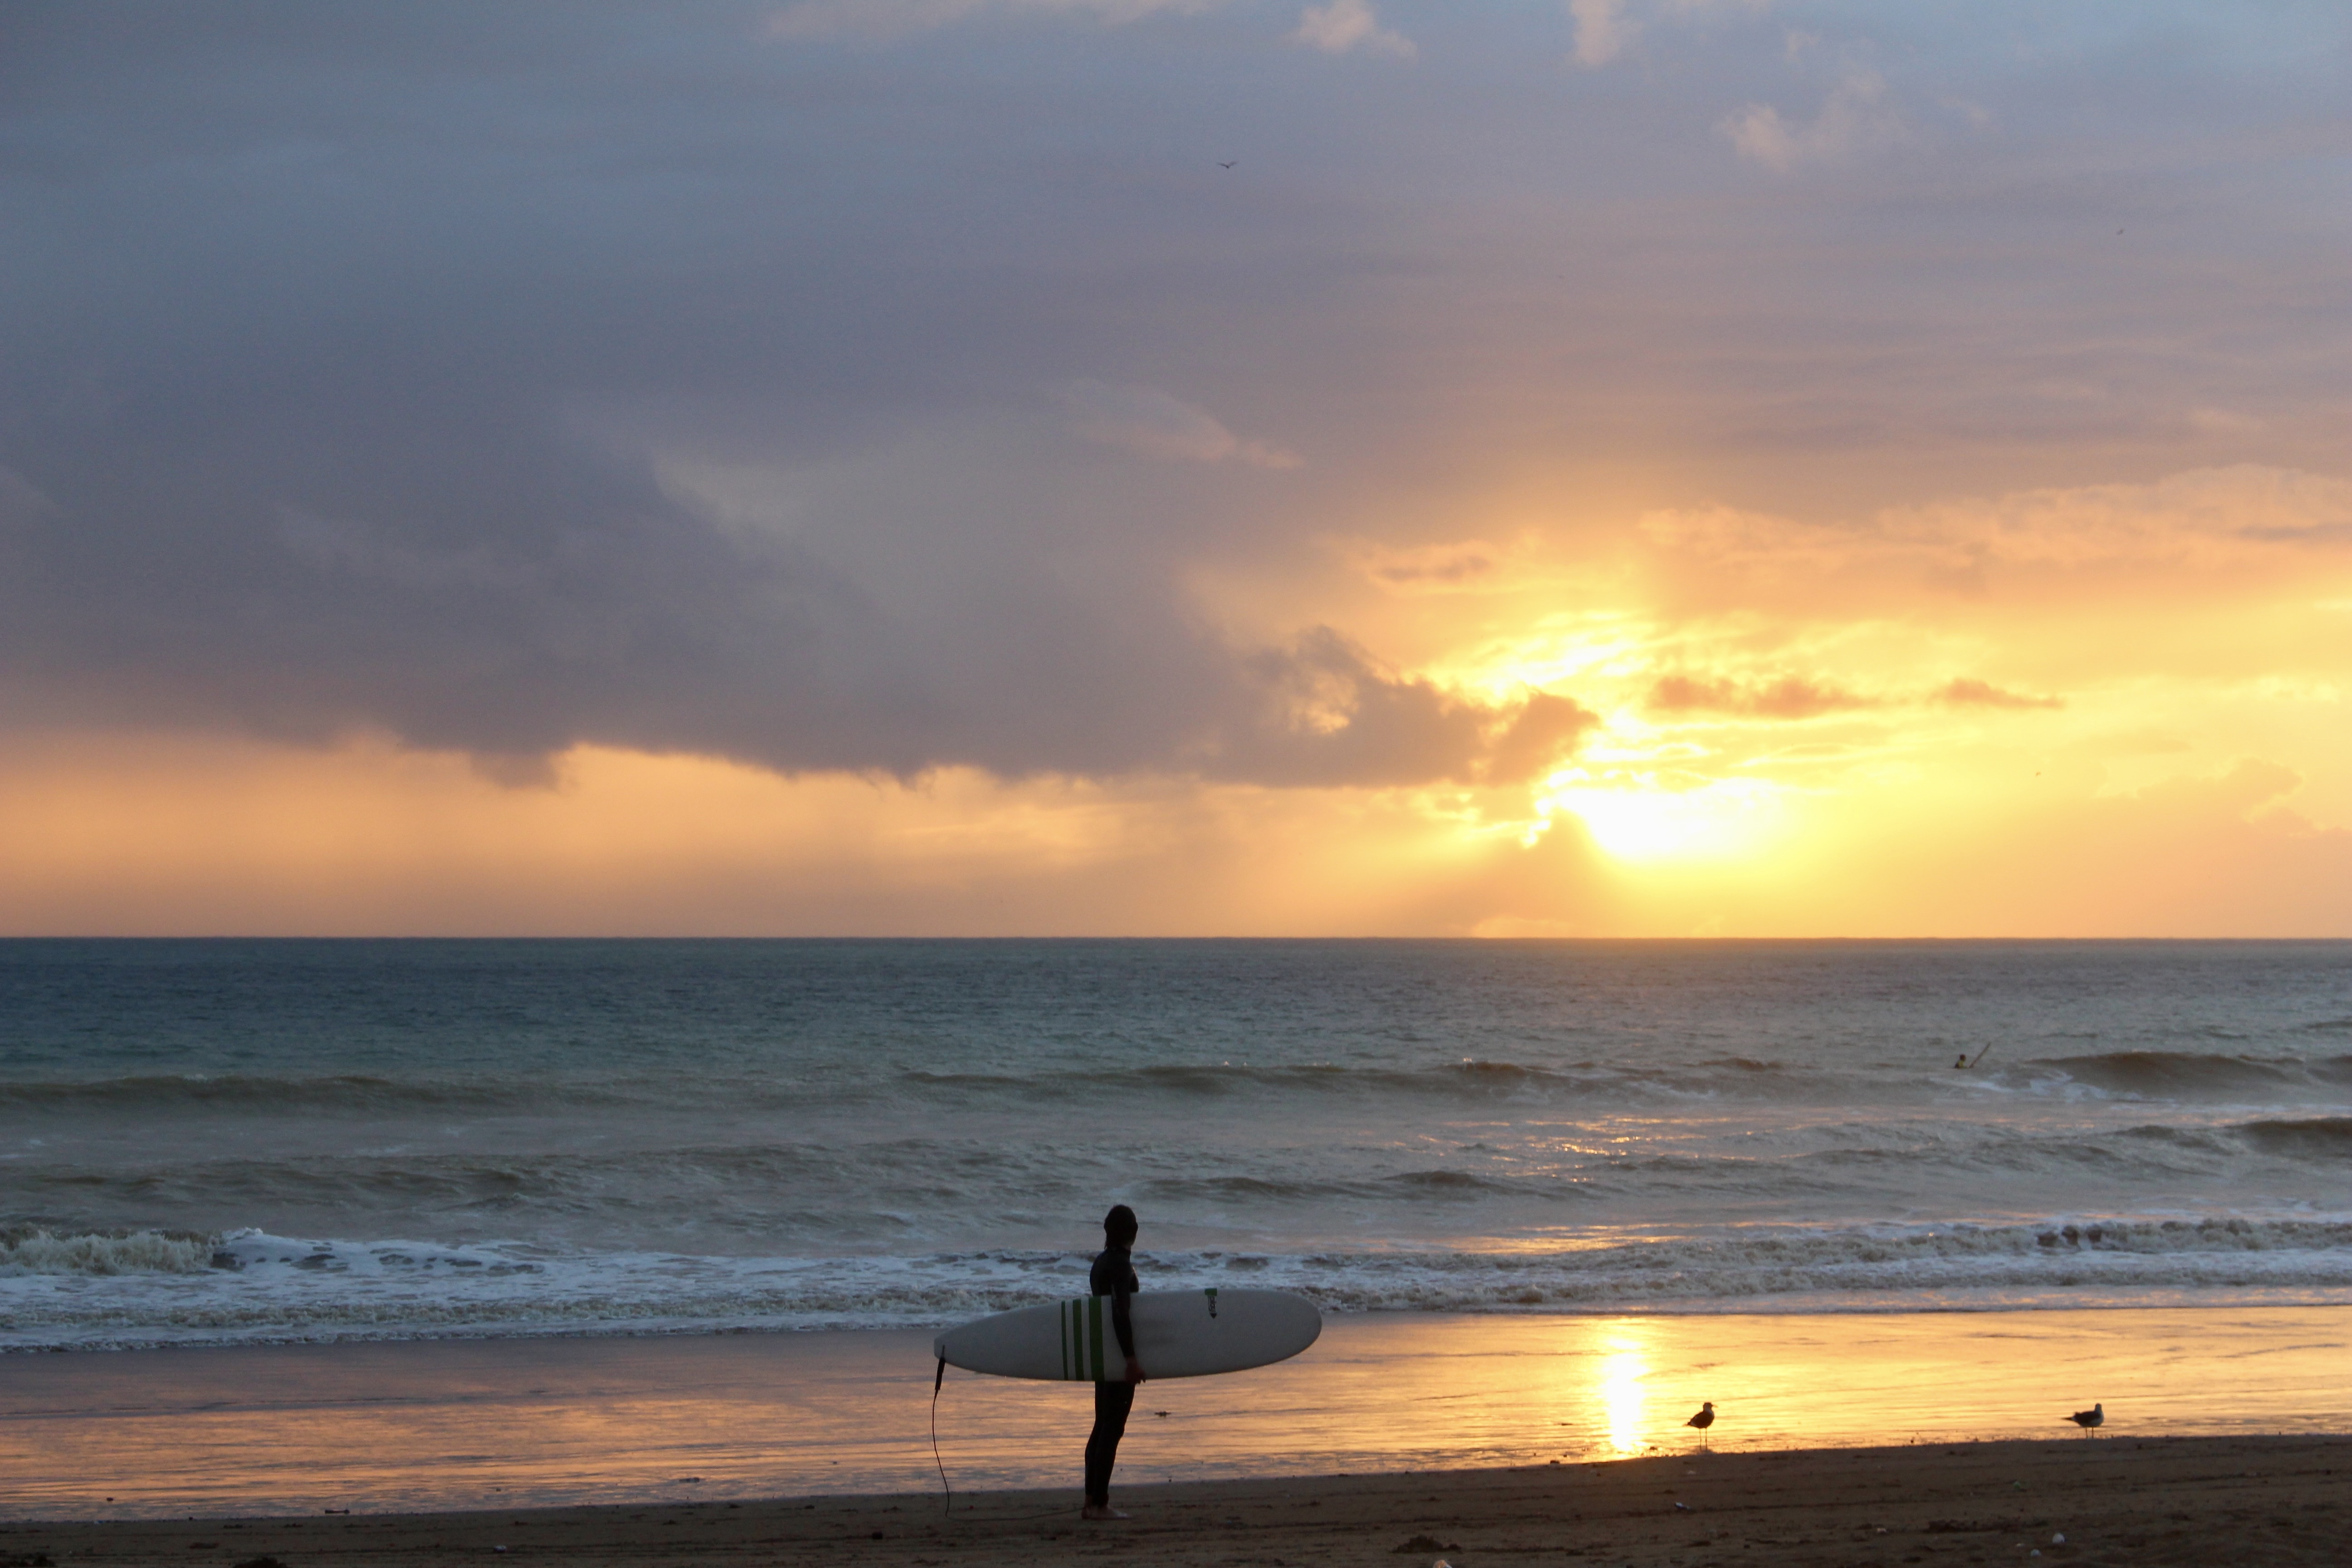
(115, 1252)
(260, 1288)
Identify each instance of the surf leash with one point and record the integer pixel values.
(947, 1493)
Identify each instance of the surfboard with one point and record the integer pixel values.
(1178, 1333)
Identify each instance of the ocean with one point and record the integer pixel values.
(215, 1142)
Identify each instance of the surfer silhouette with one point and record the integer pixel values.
(1113, 1276)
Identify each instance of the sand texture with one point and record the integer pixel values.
(2203, 1500)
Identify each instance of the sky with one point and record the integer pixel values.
(1618, 468)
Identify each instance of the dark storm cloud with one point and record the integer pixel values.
(505, 377)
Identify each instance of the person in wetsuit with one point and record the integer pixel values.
(1113, 1276)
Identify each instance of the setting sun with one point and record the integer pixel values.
(1635, 818)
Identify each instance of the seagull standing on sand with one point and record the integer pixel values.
(2096, 1416)
(1704, 1419)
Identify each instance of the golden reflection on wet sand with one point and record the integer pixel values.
(455, 1424)
(1619, 1389)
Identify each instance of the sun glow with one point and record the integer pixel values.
(1635, 816)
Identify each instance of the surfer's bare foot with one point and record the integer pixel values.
(1099, 1510)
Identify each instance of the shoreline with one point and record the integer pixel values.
(1985, 1301)
(2284, 1499)
(1829, 1305)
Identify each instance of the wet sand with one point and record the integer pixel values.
(2142, 1500)
(443, 1426)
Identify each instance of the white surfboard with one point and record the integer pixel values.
(1178, 1333)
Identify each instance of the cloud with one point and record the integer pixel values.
(886, 20)
(1854, 118)
(1606, 28)
(1152, 423)
(1796, 697)
(1602, 30)
(1344, 25)
(1544, 733)
(2222, 422)
(1454, 566)
(1733, 536)
(1789, 696)
(1966, 691)
(634, 621)
(2202, 518)
(1328, 715)
(364, 371)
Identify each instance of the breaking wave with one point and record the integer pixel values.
(104, 1252)
(249, 1286)
(2187, 1076)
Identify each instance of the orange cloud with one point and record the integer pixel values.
(1967, 692)
(2266, 521)
(1790, 697)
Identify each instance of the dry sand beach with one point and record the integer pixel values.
(2197, 1500)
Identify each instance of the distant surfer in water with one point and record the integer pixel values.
(1113, 1276)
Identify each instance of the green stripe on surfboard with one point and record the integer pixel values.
(1085, 1345)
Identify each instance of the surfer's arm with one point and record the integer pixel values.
(1123, 1325)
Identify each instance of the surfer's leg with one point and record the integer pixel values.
(1112, 1402)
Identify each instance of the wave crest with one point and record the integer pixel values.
(105, 1252)
(2319, 1138)
(2193, 1075)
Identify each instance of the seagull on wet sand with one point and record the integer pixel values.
(2096, 1416)
(1704, 1418)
